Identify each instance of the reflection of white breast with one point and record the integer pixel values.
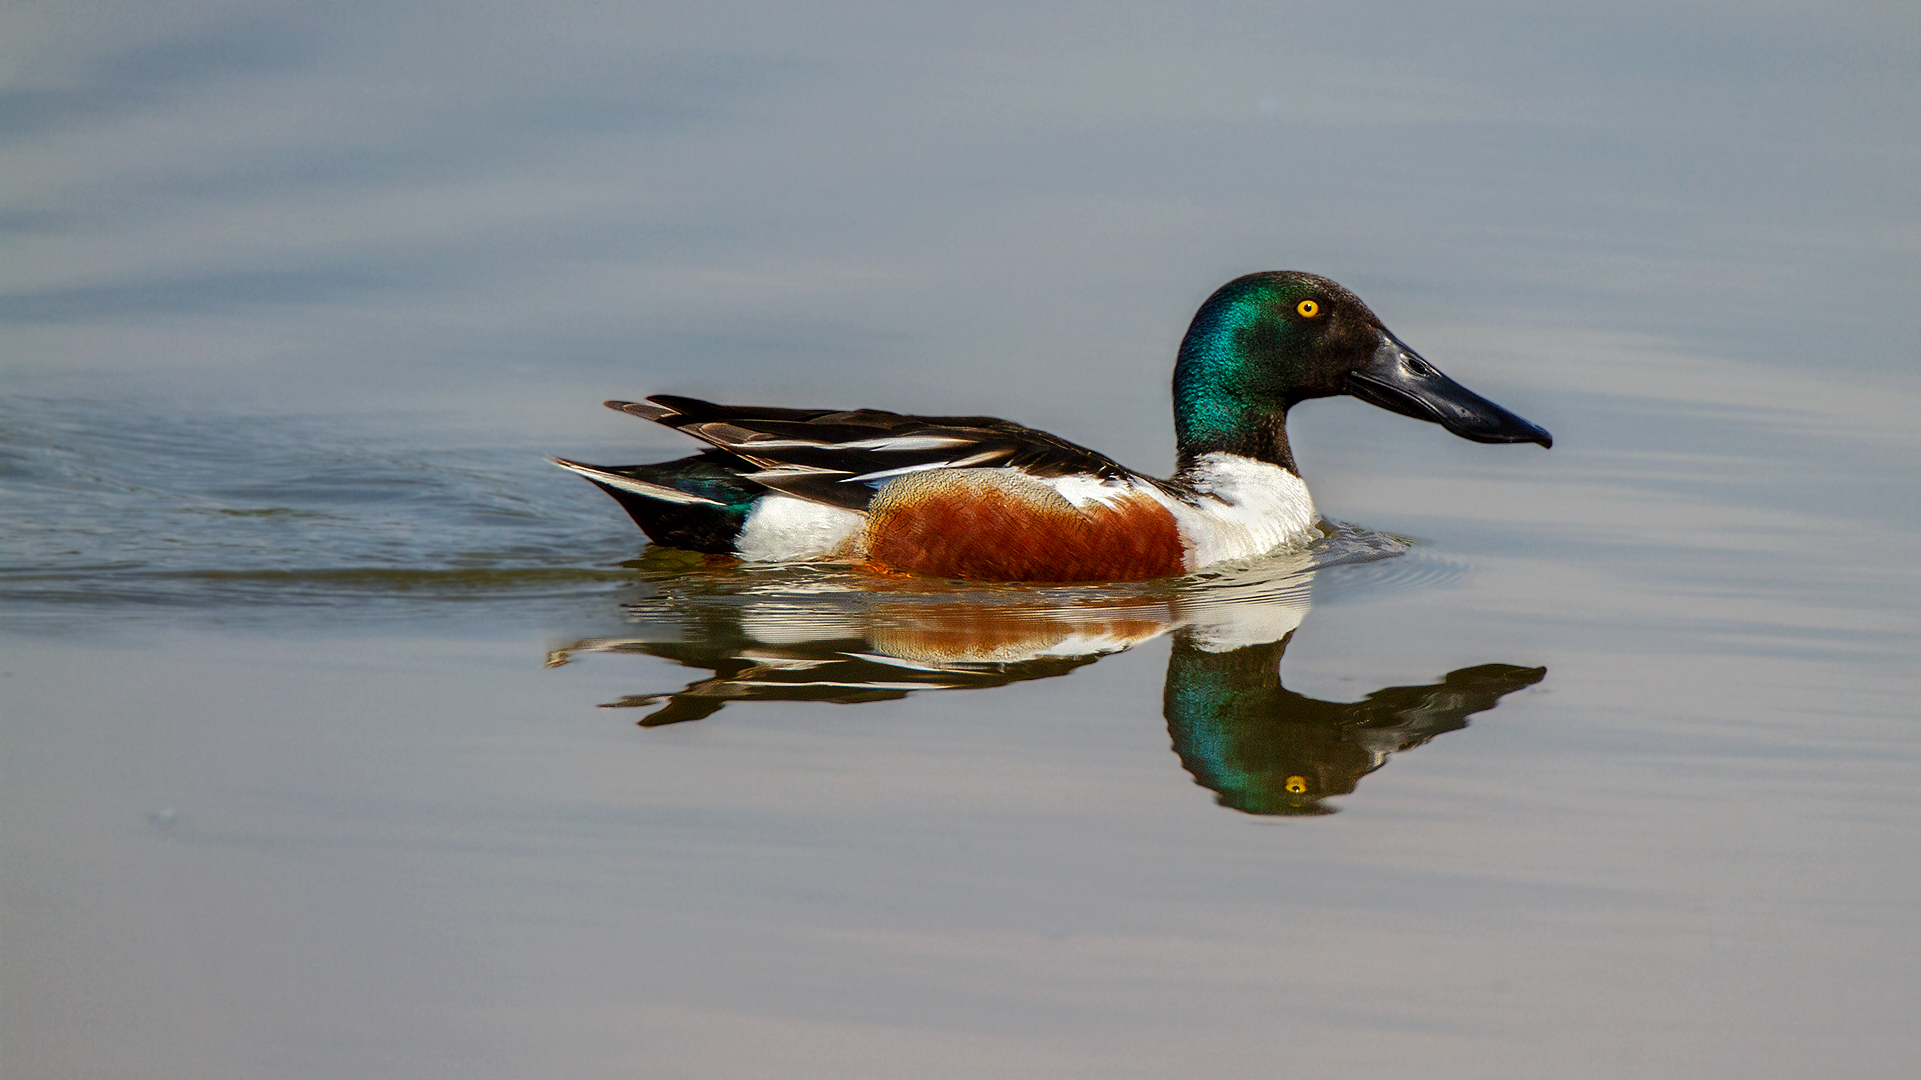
(1224, 627)
(1246, 508)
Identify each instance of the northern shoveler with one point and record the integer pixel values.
(982, 498)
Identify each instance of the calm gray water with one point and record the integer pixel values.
(342, 736)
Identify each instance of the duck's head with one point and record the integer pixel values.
(1264, 342)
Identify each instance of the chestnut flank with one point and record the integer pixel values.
(991, 525)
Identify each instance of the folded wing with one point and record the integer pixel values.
(841, 457)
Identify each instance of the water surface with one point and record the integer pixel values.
(341, 735)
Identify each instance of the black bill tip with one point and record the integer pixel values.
(1398, 380)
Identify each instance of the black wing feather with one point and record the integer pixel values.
(840, 457)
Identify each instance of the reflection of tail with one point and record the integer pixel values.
(1264, 749)
(844, 672)
(818, 673)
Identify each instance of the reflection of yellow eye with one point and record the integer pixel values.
(1298, 784)
(1308, 309)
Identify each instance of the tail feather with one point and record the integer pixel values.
(636, 486)
(646, 410)
(699, 503)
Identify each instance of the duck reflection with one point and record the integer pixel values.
(1261, 748)
(1264, 749)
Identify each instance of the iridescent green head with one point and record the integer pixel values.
(1265, 342)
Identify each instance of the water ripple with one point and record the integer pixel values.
(120, 508)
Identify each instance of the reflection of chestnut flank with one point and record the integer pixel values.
(938, 636)
(998, 525)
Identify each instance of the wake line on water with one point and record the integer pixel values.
(115, 507)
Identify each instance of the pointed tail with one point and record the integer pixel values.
(613, 479)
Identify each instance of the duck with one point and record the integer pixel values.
(984, 499)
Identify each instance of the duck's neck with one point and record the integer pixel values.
(1219, 404)
(1263, 438)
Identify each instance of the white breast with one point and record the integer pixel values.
(1246, 508)
(782, 528)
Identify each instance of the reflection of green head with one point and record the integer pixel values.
(1255, 744)
(1264, 749)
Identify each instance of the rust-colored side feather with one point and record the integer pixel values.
(991, 525)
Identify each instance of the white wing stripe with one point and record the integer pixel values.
(963, 463)
(790, 472)
(905, 442)
(896, 442)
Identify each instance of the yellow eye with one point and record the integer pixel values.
(1298, 784)
(1308, 309)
